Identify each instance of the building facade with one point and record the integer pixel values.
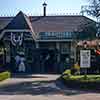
(48, 43)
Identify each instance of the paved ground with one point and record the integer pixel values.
(40, 87)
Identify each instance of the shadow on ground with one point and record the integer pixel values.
(38, 88)
(27, 76)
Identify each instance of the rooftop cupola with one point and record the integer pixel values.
(44, 8)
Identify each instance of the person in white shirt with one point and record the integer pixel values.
(17, 59)
(22, 67)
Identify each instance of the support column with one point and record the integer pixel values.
(58, 48)
(37, 44)
(7, 51)
(73, 50)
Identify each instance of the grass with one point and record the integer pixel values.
(4, 75)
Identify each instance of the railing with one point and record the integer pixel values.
(56, 35)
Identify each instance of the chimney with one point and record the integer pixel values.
(44, 9)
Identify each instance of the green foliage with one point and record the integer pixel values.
(83, 78)
(4, 75)
(76, 69)
(87, 31)
(86, 82)
(67, 73)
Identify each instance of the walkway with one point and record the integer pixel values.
(40, 87)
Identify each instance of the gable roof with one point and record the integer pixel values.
(58, 23)
(4, 21)
(20, 21)
(66, 23)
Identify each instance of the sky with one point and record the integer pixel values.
(34, 7)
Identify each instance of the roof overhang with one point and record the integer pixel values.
(56, 40)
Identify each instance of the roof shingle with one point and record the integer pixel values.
(44, 23)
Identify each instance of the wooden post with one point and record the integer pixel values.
(58, 48)
(37, 45)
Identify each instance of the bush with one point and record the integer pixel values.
(67, 73)
(84, 78)
(4, 75)
(82, 81)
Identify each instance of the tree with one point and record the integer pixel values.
(87, 31)
(93, 8)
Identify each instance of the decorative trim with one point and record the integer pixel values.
(56, 40)
(19, 30)
(15, 41)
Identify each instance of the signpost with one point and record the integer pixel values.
(85, 59)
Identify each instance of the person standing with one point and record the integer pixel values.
(17, 59)
(22, 67)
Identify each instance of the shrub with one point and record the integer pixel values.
(67, 73)
(4, 75)
(85, 77)
(82, 81)
(76, 69)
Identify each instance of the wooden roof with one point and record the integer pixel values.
(44, 23)
(20, 21)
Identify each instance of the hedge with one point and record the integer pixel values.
(86, 82)
(4, 75)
